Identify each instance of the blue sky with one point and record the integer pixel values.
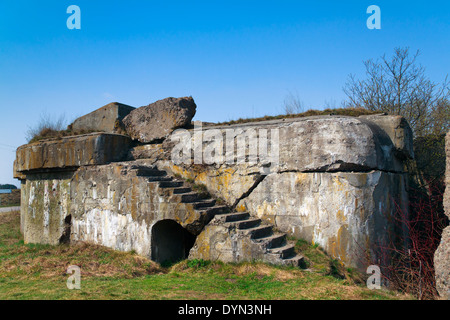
(236, 58)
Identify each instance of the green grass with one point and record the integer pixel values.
(38, 271)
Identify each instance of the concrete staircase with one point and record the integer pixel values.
(274, 247)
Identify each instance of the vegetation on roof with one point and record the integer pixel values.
(48, 128)
(352, 112)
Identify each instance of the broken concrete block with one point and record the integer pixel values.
(157, 120)
(105, 119)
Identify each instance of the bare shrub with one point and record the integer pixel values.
(411, 265)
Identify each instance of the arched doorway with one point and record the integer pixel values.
(170, 242)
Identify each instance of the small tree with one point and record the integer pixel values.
(399, 86)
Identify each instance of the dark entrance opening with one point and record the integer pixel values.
(170, 242)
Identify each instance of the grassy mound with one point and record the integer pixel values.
(30, 271)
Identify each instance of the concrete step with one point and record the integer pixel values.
(159, 178)
(149, 172)
(273, 241)
(297, 261)
(188, 197)
(245, 224)
(204, 203)
(286, 251)
(234, 216)
(258, 232)
(171, 184)
(180, 190)
(213, 211)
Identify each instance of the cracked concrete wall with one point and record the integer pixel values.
(313, 144)
(338, 182)
(346, 213)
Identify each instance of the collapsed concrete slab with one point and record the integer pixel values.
(106, 119)
(157, 120)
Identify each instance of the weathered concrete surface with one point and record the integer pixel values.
(243, 239)
(336, 183)
(45, 207)
(398, 129)
(106, 119)
(220, 242)
(157, 120)
(224, 182)
(147, 151)
(346, 213)
(112, 205)
(70, 152)
(313, 144)
(335, 143)
(442, 254)
(16, 174)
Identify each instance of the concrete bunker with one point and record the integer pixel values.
(170, 242)
(331, 186)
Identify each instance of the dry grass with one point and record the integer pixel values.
(48, 133)
(45, 261)
(351, 112)
(49, 128)
(9, 218)
(39, 272)
(48, 262)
